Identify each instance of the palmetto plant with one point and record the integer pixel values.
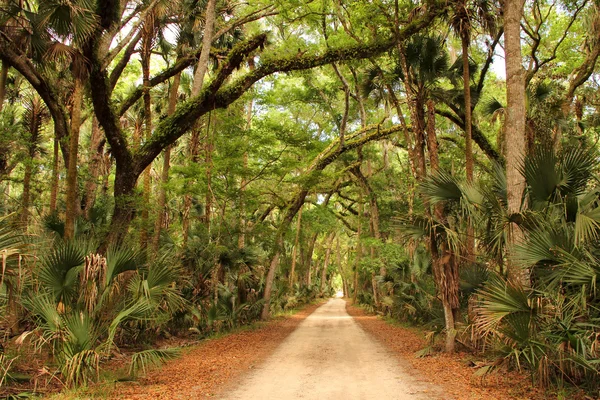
(552, 326)
(84, 300)
(12, 245)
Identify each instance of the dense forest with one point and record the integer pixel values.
(185, 167)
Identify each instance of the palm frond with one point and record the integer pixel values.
(143, 360)
(442, 187)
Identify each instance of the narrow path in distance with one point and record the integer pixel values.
(330, 357)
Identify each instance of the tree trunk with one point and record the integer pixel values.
(95, 166)
(308, 259)
(469, 161)
(208, 154)
(326, 262)
(295, 249)
(25, 198)
(445, 266)
(243, 183)
(55, 173)
(358, 249)
(338, 258)
(124, 210)
(266, 311)
(71, 206)
(202, 68)
(187, 199)
(164, 179)
(515, 126)
(468, 112)
(415, 106)
(146, 54)
(3, 76)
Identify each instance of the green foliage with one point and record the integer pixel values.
(81, 309)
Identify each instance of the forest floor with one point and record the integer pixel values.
(455, 372)
(330, 357)
(202, 370)
(318, 354)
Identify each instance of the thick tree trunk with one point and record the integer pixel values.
(124, 211)
(515, 125)
(71, 206)
(164, 179)
(278, 246)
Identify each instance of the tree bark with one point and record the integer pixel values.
(266, 311)
(25, 197)
(3, 76)
(199, 75)
(193, 149)
(71, 202)
(202, 68)
(95, 166)
(469, 164)
(208, 155)
(328, 245)
(243, 183)
(55, 173)
(358, 250)
(515, 125)
(164, 179)
(308, 259)
(295, 249)
(147, 38)
(445, 266)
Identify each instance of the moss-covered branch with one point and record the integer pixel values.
(478, 136)
(172, 128)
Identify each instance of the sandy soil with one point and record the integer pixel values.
(206, 369)
(330, 357)
(453, 372)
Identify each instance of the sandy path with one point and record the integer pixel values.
(330, 357)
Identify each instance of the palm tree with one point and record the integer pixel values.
(462, 21)
(465, 15)
(32, 121)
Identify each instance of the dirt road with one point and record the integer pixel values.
(330, 357)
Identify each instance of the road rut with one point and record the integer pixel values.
(330, 357)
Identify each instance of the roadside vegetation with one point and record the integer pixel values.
(175, 169)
